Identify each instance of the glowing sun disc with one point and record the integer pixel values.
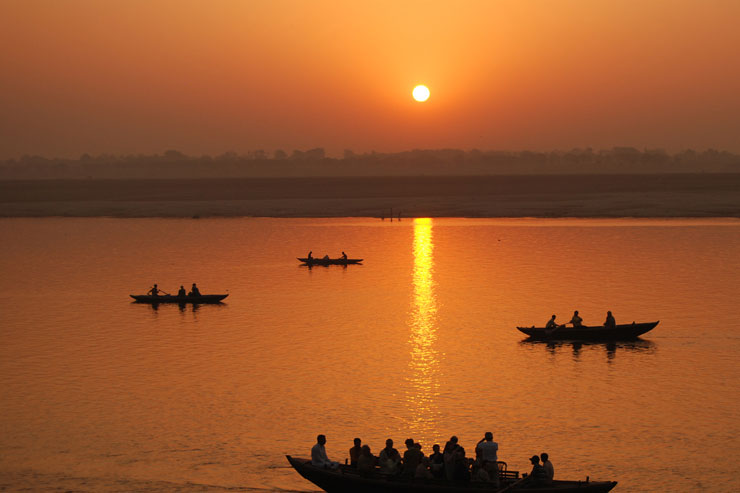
(421, 93)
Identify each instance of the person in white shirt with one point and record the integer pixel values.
(547, 465)
(318, 455)
(487, 454)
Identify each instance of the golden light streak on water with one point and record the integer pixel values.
(423, 374)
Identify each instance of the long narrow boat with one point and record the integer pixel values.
(168, 298)
(346, 479)
(586, 333)
(329, 261)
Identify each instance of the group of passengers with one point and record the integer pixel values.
(451, 463)
(194, 291)
(577, 321)
(325, 257)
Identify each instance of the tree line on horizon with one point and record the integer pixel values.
(314, 162)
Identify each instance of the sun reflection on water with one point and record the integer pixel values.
(423, 374)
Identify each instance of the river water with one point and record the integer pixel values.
(101, 394)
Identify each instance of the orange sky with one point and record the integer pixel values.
(142, 76)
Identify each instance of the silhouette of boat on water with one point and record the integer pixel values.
(329, 261)
(590, 333)
(346, 478)
(168, 298)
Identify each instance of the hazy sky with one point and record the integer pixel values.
(142, 76)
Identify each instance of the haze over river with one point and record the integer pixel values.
(101, 394)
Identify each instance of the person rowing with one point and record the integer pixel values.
(154, 291)
(552, 325)
(576, 320)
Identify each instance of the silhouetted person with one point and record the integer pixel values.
(344, 256)
(481, 474)
(318, 454)
(576, 320)
(366, 462)
(181, 292)
(310, 255)
(487, 453)
(547, 465)
(449, 457)
(411, 458)
(194, 291)
(551, 324)
(538, 476)
(154, 291)
(461, 468)
(354, 452)
(610, 323)
(389, 459)
(437, 462)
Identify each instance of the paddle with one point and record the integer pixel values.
(512, 485)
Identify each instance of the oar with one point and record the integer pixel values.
(517, 483)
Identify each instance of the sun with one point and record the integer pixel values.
(421, 93)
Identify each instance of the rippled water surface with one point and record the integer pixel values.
(101, 394)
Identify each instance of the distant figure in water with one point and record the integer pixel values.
(344, 256)
(310, 255)
(154, 291)
(318, 455)
(354, 452)
(551, 324)
(610, 323)
(194, 291)
(181, 292)
(576, 320)
(547, 465)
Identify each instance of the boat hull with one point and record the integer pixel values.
(347, 479)
(585, 333)
(331, 261)
(204, 298)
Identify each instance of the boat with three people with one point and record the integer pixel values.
(329, 261)
(589, 333)
(168, 298)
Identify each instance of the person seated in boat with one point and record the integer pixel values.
(411, 458)
(154, 291)
(461, 465)
(354, 452)
(437, 462)
(547, 465)
(326, 257)
(181, 292)
(194, 291)
(449, 457)
(538, 476)
(551, 324)
(310, 255)
(344, 256)
(319, 457)
(422, 470)
(480, 473)
(610, 323)
(366, 462)
(576, 320)
(389, 459)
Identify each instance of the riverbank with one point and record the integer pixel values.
(684, 195)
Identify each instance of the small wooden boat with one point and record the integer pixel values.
(168, 298)
(329, 261)
(346, 478)
(586, 333)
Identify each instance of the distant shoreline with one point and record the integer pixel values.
(587, 196)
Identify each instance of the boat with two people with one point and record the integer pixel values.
(310, 260)
(194, 296)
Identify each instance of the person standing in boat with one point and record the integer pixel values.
(319, 457)
(487, 454)
(411, 458)
(437, 462)
(547, 465)
(576, 320)
(389, 458)
(181, 292)
(449, 457)
(194, 291)
(610, 323)
(154, 291)
(354, 452)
